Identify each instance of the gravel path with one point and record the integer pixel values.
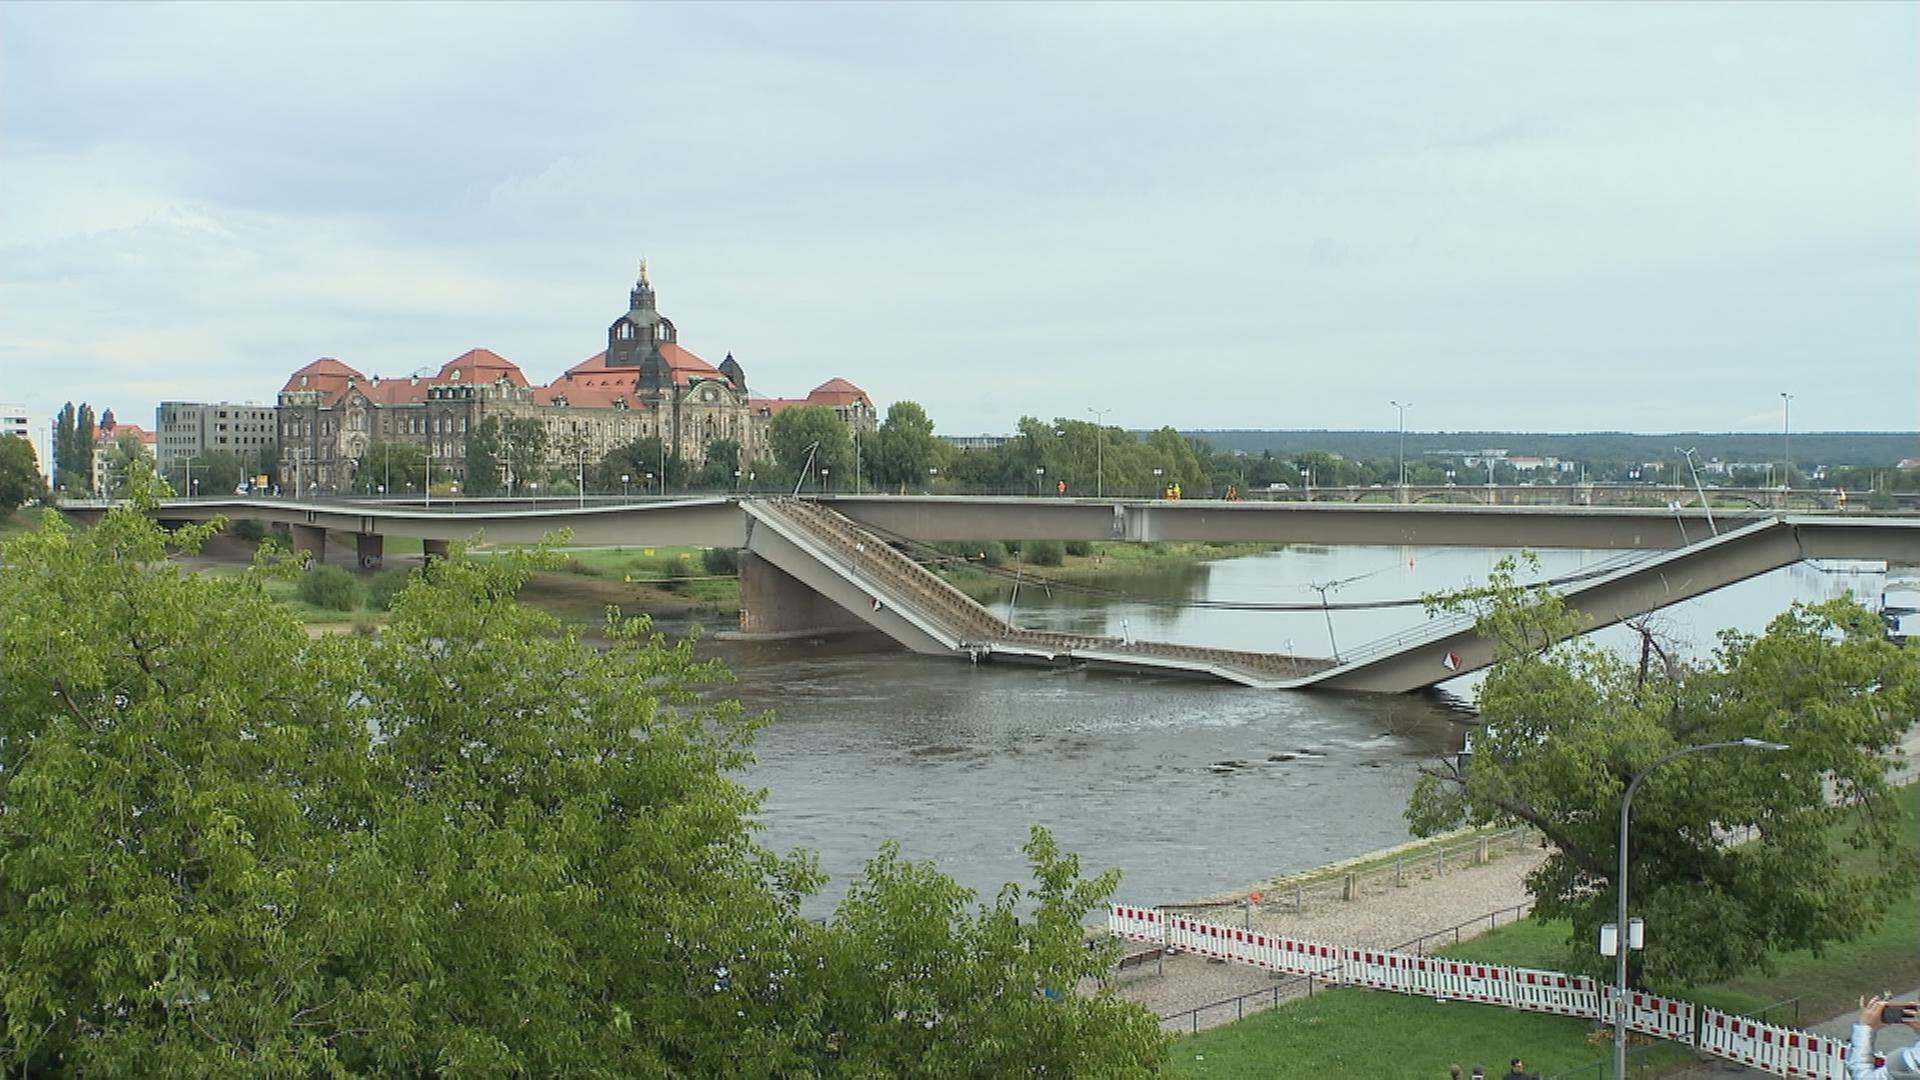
(1382, 918)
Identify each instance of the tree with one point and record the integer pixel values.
(396, 466)
(1566, 724)
(83, 435)
(504, 455)
(641, 462)
(65, 458)
(20, 480)
(477, 844)
(904, 447)
(723, 460)
(809, 438)
(126, 448)
(217, 473)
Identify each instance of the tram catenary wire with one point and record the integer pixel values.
(928, 554)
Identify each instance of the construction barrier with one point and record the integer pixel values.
(1556, 992)
(1136, 924)
(1650, 1014)
(1778, 1050)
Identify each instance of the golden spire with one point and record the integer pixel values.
(643, 270)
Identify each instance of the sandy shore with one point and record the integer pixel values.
(1380, 918)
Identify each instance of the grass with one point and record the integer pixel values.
(1348, 1032)
(662, 580)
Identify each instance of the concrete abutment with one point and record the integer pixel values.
(773, 601)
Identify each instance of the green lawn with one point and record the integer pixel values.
(1349, 1032)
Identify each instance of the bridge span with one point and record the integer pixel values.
(818, 564)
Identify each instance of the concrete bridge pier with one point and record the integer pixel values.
(371, 549)
(436, 549)
(774, 602)
(311, 539)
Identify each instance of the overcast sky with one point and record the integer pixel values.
(1646, 217)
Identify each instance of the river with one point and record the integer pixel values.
(1189, 788)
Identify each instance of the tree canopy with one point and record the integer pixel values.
(472, 845)
(1737, 854)
(812, 438)
(20, 479)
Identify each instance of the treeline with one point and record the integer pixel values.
(1831, 448)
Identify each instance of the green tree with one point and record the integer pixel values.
(1567, 724)
(504, 455)
(904, 448)
(65, 459)
(126, 449)
(218, 473)
(20, 479)
(540, 864)
(641, 462)
(810, 438)
(723, 459)
(83, 436)
(396, 466)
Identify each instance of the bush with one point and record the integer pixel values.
(330, 587)
(249, 529)
(721, 561)
(1081, 548)
(991, 554)
(384, 586)
(1045, 552)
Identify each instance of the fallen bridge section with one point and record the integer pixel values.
(869, 579)
(1436, 652)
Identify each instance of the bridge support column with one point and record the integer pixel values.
(775, 602)
(310, 539)
(436, 549)
(371, 548)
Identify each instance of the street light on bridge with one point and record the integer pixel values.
(1099, 451)
(1403, 406)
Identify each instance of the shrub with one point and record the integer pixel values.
(721, 561)
(249, 529)
(384, 586)
(330, 587)
(1045, 552)
(1081, 548)
(992, 553)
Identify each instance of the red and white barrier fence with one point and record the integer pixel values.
(1778, 1050)
(1650, 1014)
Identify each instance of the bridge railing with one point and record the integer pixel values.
(1435, 629)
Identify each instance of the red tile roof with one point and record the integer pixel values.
(834, 393)
(480, 366)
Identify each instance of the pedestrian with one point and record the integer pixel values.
(1479, 1072)
(1903, 1063)
(1516, 1071)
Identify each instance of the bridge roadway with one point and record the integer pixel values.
(832, 550)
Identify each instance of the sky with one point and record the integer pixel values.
(1509, 217)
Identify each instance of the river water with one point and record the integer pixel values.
(1189, 788)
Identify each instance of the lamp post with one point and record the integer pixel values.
(933, 473)
(1099, 451)
(1403, 406)
(824, 473)
(1786, 438)
(1039, 478)
(650, 484)
(1306, 480)
(1620, 937)
(1698, 490)
(626, 487)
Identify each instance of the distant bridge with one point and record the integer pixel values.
(818, 564)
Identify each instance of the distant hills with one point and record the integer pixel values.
(1831, 448)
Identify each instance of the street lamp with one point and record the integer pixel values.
(823, 479)
(534, 487)
(1786, 437)
(649, 486)
(1620, 936)
(1689, 452)
(1403, 406)
(1099, 451)
(1039, 478)
(1306, 480)
(933, 473)
(1157, 489)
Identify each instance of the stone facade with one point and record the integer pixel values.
(645, 384)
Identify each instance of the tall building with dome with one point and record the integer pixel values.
(643, 384)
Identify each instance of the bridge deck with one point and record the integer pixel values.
(812, 537)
